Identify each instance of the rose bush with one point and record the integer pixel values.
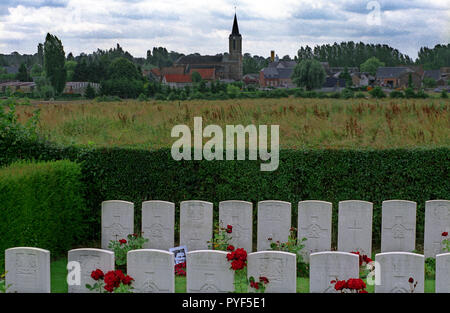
(293, 245)
(353, 285)
(112, 282)
(258, 286)
(122, 246)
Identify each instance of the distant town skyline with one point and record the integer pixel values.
(204, 26)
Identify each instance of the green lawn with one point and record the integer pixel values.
(59, 284)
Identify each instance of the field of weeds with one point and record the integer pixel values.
(304, 123)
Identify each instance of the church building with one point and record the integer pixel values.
(227, 66)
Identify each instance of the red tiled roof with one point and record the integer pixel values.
(156, 71)
(172, 70)
(178, 78)
(205, 73)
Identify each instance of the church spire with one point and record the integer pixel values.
(235, 27)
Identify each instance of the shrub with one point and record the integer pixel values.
(409, 93)
(347, 93)
(360, 95)
(421, 94)
(444, 94)
(42, 206)
(396, 94)
(123, 88)
(377, 92)
(90, 92)
(330, 175)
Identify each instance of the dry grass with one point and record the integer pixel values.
(304, 123)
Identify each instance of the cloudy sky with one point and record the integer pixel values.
(203, 26)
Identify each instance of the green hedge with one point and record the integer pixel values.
(42, 205)
(330, 175)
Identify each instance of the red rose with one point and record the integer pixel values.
(367, 259)
(240, 254)
(97, 274)
(127, 280)
(237, 265)
(112, 279)
(363, 291)
(109, 288)
(411, 280)
(356, 284)
(122, 241)
(264, 280)
(229, 229)
(445, 234)
(342, 284)
(230, 248)
(230, 256)
(135, 235)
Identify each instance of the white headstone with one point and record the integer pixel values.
(158, 224)
(314, 224)
(117, 221)
(274, 222)
(239, 215)
(443, 273)
(208, 271)
(394, 269)
(279, 267)
(355, 226)
(90, 260)
(27, 270)
(331, 265)
(152, 270)
(196, 218)
(437, 221)
(398, 226)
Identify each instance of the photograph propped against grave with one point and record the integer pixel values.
(224, 146)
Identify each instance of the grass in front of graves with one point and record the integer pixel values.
(59, 283)
(304, 123)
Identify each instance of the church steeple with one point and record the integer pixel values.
(235, 30)
(235, 49)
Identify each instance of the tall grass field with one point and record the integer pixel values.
(304, 123)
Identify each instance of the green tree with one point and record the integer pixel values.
(90, 92)
(36, 70)
(122, 68)
(346, 75)
(70, 69)
(429, 82)
(196, 77)
(22, 75)
(371, 65)
(54, 63)
(309, 74)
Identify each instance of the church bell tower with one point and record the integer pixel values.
(235, 49)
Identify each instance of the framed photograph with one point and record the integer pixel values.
(179, 253)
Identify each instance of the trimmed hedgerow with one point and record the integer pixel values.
(42, 205)
(330, 175)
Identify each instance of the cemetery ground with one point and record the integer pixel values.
(59, 283)
(304, 123)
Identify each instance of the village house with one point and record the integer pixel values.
(277, 74)
(439, 76)
(29, 87)
(397, 77)
(362, 79)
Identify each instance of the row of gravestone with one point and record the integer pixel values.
(274, 222)
(28, 270)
